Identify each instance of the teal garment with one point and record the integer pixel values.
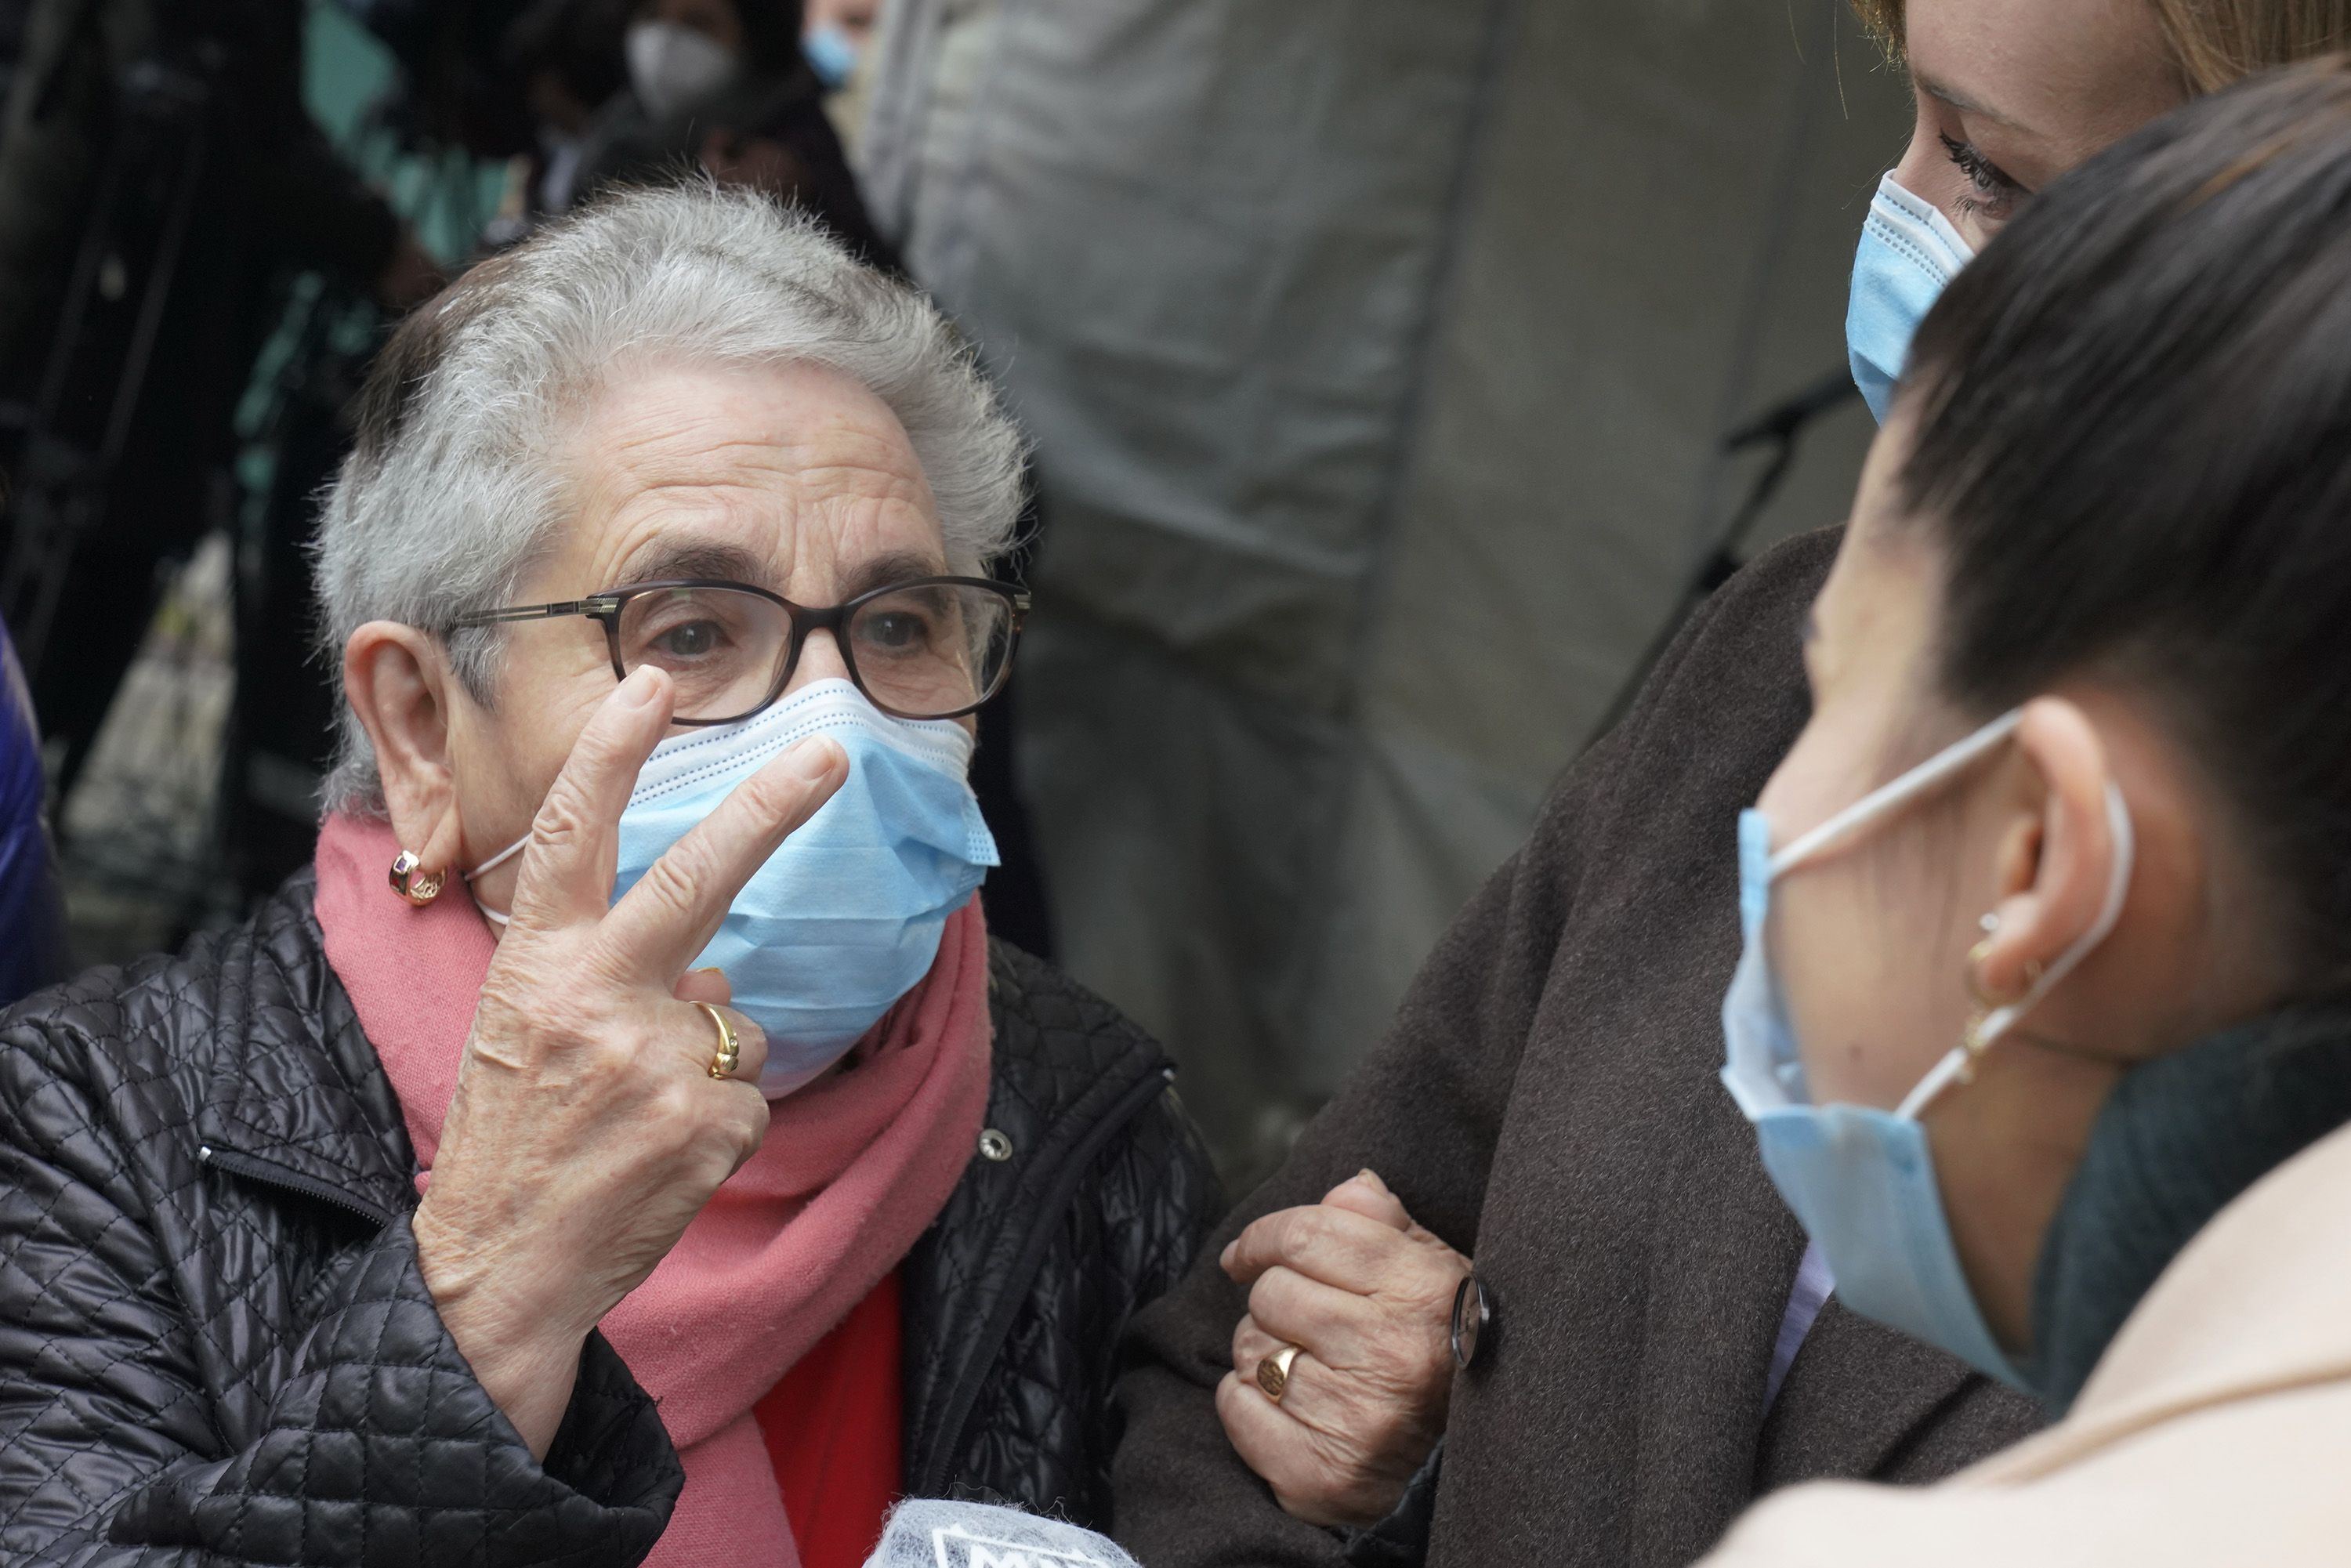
(2178, 1140)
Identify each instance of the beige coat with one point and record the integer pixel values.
(2217, 1430)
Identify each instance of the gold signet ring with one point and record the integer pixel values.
(730, 1055)
(1274, 1373)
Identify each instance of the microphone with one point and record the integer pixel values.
(934, 1534)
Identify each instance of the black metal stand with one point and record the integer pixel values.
(64, 486)
(1783, 426)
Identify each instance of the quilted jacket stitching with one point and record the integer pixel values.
(271, 1016)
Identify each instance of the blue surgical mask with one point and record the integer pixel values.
(846, 917)
(1862, 1180)
(1909, 254)
(831, 53)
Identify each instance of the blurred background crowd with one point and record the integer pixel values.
(1387, 411)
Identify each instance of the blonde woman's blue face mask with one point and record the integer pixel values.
(1908, 255)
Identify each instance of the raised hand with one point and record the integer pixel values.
(587, 1131)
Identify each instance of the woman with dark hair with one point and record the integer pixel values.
(2044, 1018)
(1663, 1336)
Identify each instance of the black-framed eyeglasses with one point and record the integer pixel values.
(934, 647)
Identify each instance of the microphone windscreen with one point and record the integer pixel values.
(927, 1533)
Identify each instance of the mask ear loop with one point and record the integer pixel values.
(491, 864)
(1961, 1058)
(498, 859)
(1885, 797)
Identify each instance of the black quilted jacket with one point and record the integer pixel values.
(215, 1347)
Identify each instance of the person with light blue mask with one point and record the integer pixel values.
(2043, 1020)
(2072, 78)
(736, 89)
(626, 1143)
(1909, 254)
(754, 488)
(835, 35)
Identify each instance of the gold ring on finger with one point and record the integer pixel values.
(1274, 1373)
(730, 1055)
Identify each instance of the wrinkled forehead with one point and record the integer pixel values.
(794, 478)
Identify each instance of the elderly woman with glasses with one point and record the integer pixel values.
(626, 1144)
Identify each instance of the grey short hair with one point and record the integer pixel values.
(449, 495)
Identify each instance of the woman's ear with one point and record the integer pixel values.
(400, 685)
(2056, 856)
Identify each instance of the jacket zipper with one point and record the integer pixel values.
(962, 1405)
(269, 1173)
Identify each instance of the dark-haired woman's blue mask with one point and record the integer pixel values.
(1861, 1179)
(1909, 253)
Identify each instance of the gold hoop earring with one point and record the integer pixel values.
(412, 882)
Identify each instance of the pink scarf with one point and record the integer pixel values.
(855, 1168)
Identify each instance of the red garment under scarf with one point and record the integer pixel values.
(832, 1431)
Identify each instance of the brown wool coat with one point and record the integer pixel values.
(1547, 1103)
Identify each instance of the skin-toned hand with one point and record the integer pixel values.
(1367, 1296)
(587, 1131)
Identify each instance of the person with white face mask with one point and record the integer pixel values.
(731, 89)
(627, 1144)
(676, 68)
(1646, 1340)
(2046, 1039)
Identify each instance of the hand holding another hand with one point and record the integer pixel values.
(1366, 1297)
